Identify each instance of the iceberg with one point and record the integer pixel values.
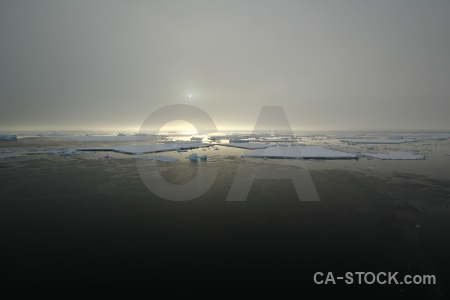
(193, 157)
(395, 155)
(305, 152)
(142, 149)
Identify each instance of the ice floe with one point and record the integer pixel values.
(158, 158)
(105, 138)
(197, 139)
(238, 140)
(306, 152)
(427, 137)
(279, 140)
(65, 152)
(142, 149)
(8, 156)
(262, 140)
(395, 155)
(246, 145)
(4, 136)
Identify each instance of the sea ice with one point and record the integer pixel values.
(428, 137)
(377, 141)
(197, 139)
(4, 136)
(8, 156)
(158, 158)
(300, 152)
(142, 149)
(395, 137)
(395, 155)
(105, 138)
(238, 140)
(66, 152)
(246, 145)
(279, 140)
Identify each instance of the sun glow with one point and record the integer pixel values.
(179, 127)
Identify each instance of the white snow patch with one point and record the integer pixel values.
(395, 155)
(300, 152)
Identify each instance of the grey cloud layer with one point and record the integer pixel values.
(331, 64)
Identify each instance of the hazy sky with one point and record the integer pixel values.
(333, 64)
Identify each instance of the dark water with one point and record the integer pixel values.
(82, 225)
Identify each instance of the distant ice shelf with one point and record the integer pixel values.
(395, 155)
(142, 149)
(377, 141)
(305, 152)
